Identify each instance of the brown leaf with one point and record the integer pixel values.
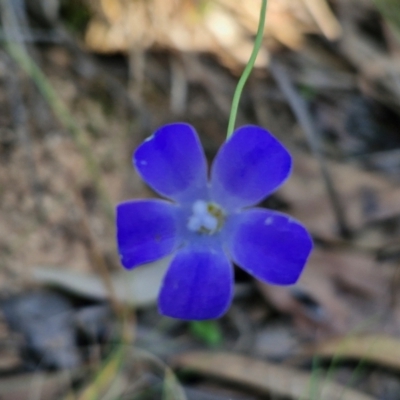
(337, 291)
(221, 26)
(309, 201)
(137, 288)
(377, 349)
(263, 376)
(35, 385)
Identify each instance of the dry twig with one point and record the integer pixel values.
(299, 108)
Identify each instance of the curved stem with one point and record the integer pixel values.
(247, 70)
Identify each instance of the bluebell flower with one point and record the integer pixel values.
(208, 224)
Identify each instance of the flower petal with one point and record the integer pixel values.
(146, 231)
(172, 162)
(248, 167)
(269, 245)
(198, 285)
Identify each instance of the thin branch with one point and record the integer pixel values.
(302, 114)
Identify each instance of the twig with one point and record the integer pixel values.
(137, 65)
(21, 128)
(117, 89)
(36, 36)
(179, 86)
(95, 252)
(137, 109)
(219, 87)
(301, 112)
(324, 17)
(18, 109)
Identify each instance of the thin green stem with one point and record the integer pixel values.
(247, 70)
(22, 58)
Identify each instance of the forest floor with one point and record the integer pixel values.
(81, 86)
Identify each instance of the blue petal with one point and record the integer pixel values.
(146, 231)
(269, 245)
(198, 285)
(172, 162)
(248, 167)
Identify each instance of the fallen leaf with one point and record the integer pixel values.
(216, 27)
(338, 291)
(138, 287)
(36, 385)
(376, 349)
(263, 377)
(351, 183)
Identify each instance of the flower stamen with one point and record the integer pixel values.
(207, 218)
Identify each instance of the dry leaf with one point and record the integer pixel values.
(137, 288)
(213, 26)
(307, 195)
(338, 291)
(379, 71)
(263, 377)
(377, 349)
(36, 385)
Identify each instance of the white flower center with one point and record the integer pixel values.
(206, 218)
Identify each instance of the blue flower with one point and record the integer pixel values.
(208, 224)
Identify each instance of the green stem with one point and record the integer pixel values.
(247, 70)
(23, 59)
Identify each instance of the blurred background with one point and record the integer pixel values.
(83, 83)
